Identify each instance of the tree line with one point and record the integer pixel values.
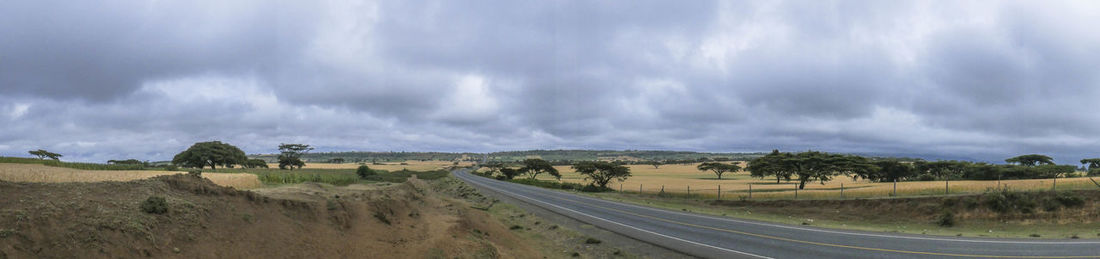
(822, 167)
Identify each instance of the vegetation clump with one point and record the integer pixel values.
(364, 172)
(155, 205)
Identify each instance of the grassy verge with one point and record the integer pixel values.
(1027, 215)
(74, 165)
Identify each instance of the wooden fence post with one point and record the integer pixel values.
(895, 194)
(842, 190)
(750, 191)
(796, 191)
(719, 192)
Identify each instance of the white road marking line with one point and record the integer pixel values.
(628, 226)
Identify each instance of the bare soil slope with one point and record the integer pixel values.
(204, 220)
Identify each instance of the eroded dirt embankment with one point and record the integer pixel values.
(204, 220)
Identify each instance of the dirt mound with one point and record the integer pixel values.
(204, 220)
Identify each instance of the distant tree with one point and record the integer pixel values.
(291, 155)
(718, 168)
(601, 173)
(255, 163)
(126, 162)
(1093, 163)
(363, 171)
(510, 173)
(889, 171)
(771, 165)
(494, 167)
(43, 154)
(534, 166)
(656, 164)
(1031, 160)
(213, 153)
(337, 160)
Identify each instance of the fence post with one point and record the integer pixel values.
(620, 187)
(750, 191)
(689, 190)
(895, 188)
(842, 190)
(796, 191)
(947, 187)
(639, 188)
(719, 192)
(1054, 187)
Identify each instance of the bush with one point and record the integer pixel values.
(594, 188)
(926, 177)
(946, 219)
(1005, 201)
(364, 172)
(171, 168)
(155, 205)
(1094, 172)
(1070, 200)
(195, 173)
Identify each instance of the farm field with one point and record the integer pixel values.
(49, 174)
(388, 166)
(677, 178)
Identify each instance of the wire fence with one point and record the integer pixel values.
(790, 190)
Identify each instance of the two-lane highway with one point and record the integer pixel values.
(717, 237)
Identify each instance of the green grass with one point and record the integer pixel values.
(74, 165)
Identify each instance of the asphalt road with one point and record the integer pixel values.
(717, 237)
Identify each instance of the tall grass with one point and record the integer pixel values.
(73, 165)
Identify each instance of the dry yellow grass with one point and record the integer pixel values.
(678, 178)
(48, 174)
(389, 166)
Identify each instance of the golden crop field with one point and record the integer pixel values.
(388, 166)
(49, 174)
(678, 178)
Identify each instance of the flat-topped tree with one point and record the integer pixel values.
(290, 155)
(1093, 163)
(771, 165)
(213, 154)
(718, 168)
(534, 166)
(1031, 160)
(43, 154)
(601, 173)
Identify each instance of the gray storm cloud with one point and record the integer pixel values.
(133, 79)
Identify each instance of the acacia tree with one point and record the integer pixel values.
(43, 154)
(255, 163)
(1093, 165)
(509, 173)
(1031, 160)
(814, 166)
(656, 164)
(888, 171)
(291, 155)
(534, 166)
(494, 167)
(213, 153)
(770, 165)
(601, 173)
(718, 168)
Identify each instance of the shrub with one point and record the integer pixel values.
(1070, 200)
(1005, 201)
(594, 188)
(592, 241)
(946, 219)
(171, 168)
(926, 177)
(195, 173)
(363, 171)
(154, 205)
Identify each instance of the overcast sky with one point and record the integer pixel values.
(146, 79)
